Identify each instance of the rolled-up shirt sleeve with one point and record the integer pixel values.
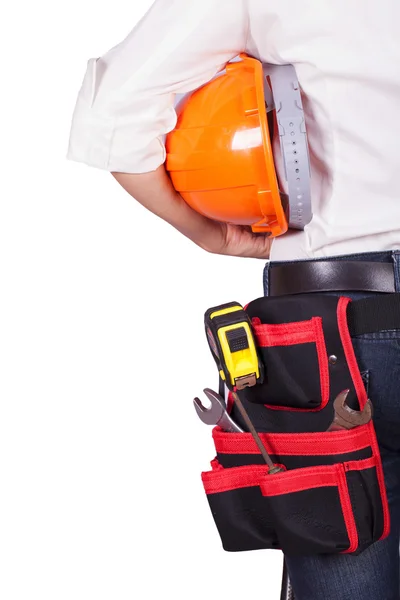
(125, 105)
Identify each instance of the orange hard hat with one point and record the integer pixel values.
(219, 156)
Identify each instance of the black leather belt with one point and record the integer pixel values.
(331, 276)
(368, 315)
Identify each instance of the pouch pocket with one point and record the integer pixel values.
(304, 511)
(286, 349)
(331, 497)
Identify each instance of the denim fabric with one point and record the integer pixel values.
(374, 574)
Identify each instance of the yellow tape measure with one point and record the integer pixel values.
(232, 344)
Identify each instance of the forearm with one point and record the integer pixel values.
(155, 192)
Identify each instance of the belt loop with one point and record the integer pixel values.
(396, 267)
(266, 277)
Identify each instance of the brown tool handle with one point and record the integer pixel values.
(272, 467)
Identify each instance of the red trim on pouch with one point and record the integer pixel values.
(294, 444)
(362, 398)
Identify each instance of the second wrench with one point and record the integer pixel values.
(217, 413)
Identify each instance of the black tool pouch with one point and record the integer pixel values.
(331, 496)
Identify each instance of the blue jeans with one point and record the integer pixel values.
(374, 574)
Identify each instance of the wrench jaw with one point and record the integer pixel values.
(346, 417)
(216, 414)
(209, 416)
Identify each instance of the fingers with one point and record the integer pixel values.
(236, 240)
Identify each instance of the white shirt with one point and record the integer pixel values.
(347, 57)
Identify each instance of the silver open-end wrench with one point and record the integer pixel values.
(217, 413)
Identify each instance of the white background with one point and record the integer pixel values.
(102, 351)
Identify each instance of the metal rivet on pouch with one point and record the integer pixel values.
(333, 359)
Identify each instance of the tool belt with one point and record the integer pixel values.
(329, 496)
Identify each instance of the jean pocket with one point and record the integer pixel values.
(365, 380)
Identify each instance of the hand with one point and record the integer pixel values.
(236, 240)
